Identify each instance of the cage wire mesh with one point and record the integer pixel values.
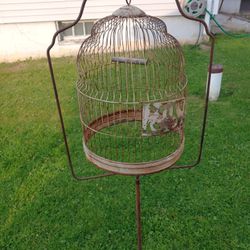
(131, 93)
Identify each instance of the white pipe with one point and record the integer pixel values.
(216, 5)
(215, 83)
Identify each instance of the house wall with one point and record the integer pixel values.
(24, 35)
(30, 40)
(17, 11)
(231, 6)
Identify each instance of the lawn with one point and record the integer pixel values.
(42, 207)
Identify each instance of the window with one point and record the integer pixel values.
(80, 30)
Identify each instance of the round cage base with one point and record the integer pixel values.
(127, 168)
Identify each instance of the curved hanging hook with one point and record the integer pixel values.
(207, 87)
(128, 2)
(79, 178)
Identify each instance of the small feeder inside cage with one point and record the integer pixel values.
(131, 91)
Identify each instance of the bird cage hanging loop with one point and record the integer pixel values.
(128, 2)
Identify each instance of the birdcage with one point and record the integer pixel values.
(131, 92)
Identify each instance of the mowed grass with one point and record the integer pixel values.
(42, 207)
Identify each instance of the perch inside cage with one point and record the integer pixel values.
(131, 92)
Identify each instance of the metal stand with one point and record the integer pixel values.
(138, 213)
(109, 173)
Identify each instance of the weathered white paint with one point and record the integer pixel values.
(215, 86)
(25, 40)
(212, 7)
(231, 6)
(215, 7)
(16, 11)
(207, 16)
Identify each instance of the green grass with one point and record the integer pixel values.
(42, 207)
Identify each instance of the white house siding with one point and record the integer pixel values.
(27, 26)
(17, 11)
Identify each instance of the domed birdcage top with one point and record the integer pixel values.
(149, 59)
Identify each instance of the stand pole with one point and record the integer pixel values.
(138, 213)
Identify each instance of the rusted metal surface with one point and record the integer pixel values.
(130, 60)
(72, 170)
(138, 213)
(211, 58)
(159, 118)
(131, 85)
(217, 68)
(59, 106)
(126, 168)
(128, 108)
